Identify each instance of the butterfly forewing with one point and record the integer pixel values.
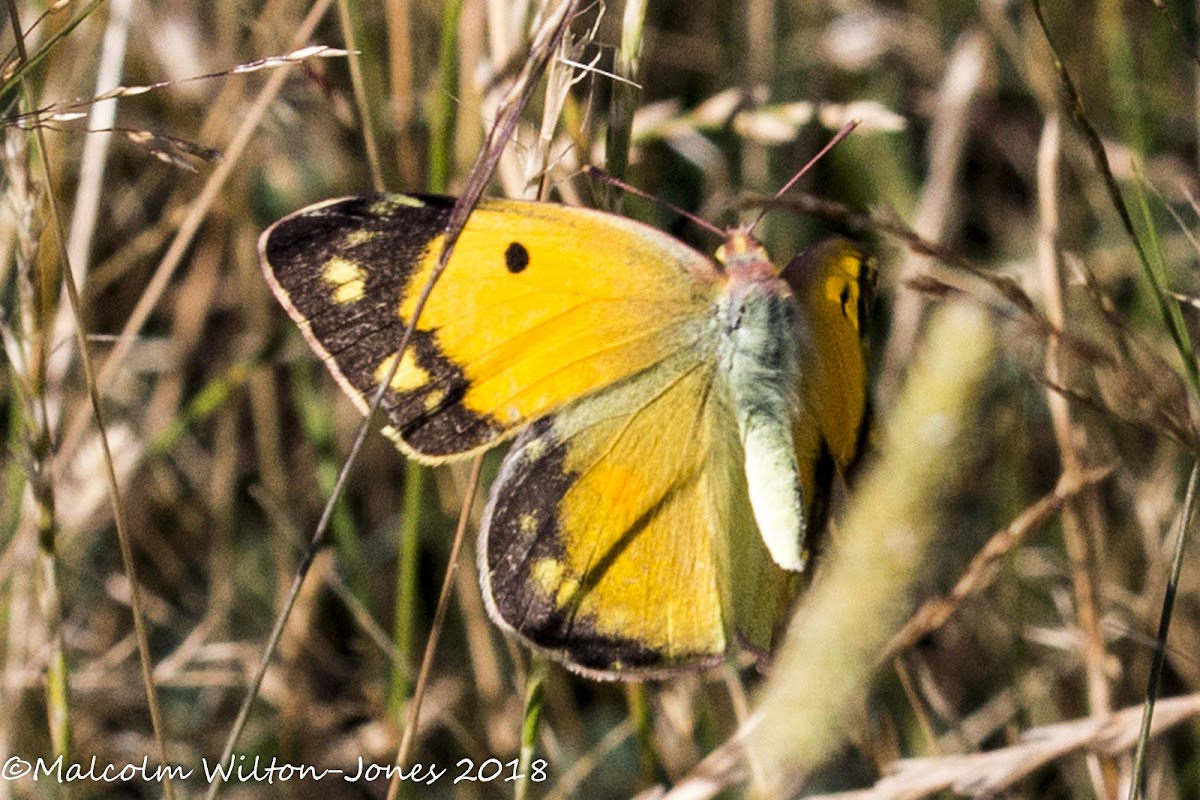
(540, 305)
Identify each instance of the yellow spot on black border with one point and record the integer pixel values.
(355, 238)
(348, 279)
(527, 525)
(409, 376)
(387, 204)
(553, 579)
(434, 399)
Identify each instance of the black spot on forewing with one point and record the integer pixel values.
(385, 237)
(516, 257)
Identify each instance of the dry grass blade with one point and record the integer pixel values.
(71, 110)
(57, 701)
(1135, 383)
(227, 437)
(545, 44)
(413, 717)
(170, 261)
(724, 767)
(981, 572)
(87, 197)
(987, 774)
(1082, 517)
(934, 212)
(14, 74)
(190, 226)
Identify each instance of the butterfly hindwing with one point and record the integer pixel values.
(540, 304)
(618, 537)
(832, 281)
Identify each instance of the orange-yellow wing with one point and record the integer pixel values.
(541, 304)
(619, 537)
(832, 282)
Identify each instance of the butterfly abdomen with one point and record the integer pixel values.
(760, 362)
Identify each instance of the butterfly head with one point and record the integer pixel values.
(744, 257)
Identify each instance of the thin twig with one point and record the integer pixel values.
(439, 616)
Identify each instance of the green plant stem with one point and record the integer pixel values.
(404, 623)
(442, 112)
(624, 100)
(535, 695)
(1137, 785)
(1167, 307)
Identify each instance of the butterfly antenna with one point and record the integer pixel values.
(620, 184)
(842, 134)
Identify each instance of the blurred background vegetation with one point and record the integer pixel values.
(969, 172)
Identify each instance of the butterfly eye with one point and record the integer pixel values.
(516, 257)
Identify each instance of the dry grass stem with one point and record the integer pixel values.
(210, 522)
